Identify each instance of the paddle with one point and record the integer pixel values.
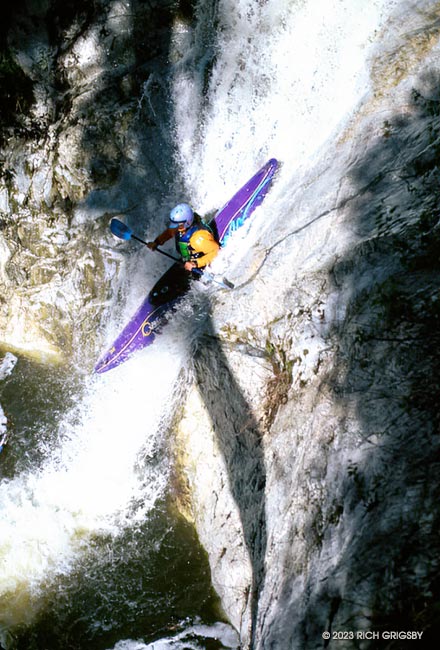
(122, 231)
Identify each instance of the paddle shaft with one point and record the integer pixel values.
(176, 259)
(225, 284)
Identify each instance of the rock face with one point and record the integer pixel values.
(308, 448)
(79, 79)
(312, 454)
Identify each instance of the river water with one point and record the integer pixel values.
(92, 554)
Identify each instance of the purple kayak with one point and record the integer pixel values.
(174, 283)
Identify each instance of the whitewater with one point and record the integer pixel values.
(247, 81)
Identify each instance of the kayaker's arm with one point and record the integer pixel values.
(162, 238)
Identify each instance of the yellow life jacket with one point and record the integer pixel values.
(197, 244)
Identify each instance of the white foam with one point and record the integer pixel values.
(7, 365)
(90, 483)
(187, 640)
(285, 76)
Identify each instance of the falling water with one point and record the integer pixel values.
(84, 525)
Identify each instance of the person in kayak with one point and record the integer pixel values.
(195, 241)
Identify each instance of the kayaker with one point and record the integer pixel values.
(195, 241)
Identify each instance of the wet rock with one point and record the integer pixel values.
(76, 144)
(340, 474)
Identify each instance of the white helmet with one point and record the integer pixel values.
(182, 214)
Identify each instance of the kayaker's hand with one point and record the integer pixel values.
(189, 266)
(152, 245)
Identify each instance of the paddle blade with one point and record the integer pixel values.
(120, 229)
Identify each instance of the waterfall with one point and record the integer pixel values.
(266, 79)
(248, 81)
(104, 471)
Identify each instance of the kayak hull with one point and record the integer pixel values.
(146, 323)
(142, 328)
